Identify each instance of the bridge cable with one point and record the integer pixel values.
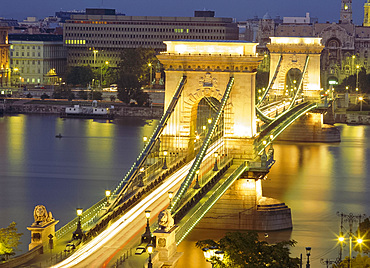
(300, 82)
(147, 149)
(271, 83)
(196, 164)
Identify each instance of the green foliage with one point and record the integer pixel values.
(358, 262)
(244, 250)
(364, 232)
(79, 75)
(134, 73)
(350, 82)
(63, 92)
(9, 240)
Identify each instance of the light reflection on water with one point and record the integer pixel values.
(314, 180)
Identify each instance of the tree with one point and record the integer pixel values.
(358, 262)
(134, 73)
(244, 250)
(9, 240)
(364, 233)
(79, 75)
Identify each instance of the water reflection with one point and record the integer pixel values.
(315, 180)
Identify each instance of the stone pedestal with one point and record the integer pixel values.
(243, 207)
(40, 233)
(166, 249)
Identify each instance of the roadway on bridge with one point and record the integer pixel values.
(106, 247)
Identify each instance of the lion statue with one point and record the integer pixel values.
(165, 220)
(41, 215)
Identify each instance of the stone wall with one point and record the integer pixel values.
(120, 111)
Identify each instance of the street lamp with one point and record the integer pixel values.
(308, 253)
(212, 254)
(95, 51)
(215, 167)
(360, 100)
(78, 233)
(149, 249)
(150, 77)
(101, 72)
(170, 196)
(165, 160)
(107, 195)
(147, 236)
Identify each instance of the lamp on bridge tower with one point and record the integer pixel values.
(215, 167)
(141, 179)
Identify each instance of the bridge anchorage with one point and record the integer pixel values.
(212, 147)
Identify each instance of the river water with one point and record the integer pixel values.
(314, 179)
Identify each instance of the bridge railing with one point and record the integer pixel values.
(87, 217)
(202, 209)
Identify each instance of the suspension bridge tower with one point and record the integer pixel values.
(208, 67)
(293, 58)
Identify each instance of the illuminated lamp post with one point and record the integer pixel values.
(308, 253)
(150, 74)
(78, 234)
(145, 139)
(147, 236)
(165, 160)
(141, 175)
(149, 249)
(107, 195)
(215, 167)
(170, 196)
(360, 100)
(357, 70)
(95, 52)
(101, 72)
(211, 255)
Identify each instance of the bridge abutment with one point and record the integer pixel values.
(243, 207)
(310, 128)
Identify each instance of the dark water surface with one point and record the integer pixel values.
(315, 180)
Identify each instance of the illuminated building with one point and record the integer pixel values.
(4, 58)
(37, 58)
(100, 35)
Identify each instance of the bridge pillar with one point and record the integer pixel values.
(310, 128)
(294, 51)
(243, 207)
(208, 66)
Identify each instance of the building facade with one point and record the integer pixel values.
(4, 56)
(37, 59)
(97, 37)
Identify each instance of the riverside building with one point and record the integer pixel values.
(100, 35)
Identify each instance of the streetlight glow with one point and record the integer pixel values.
(107, 193)
(79, 211)
(147, 214)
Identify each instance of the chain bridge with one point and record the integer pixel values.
(211, 149)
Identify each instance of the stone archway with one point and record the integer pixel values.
(294, 52)
(208, 66)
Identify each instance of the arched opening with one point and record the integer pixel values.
(292, 80)
(203, 115)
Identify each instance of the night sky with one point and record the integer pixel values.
(324, 10)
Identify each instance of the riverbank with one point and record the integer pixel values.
(26, 106)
